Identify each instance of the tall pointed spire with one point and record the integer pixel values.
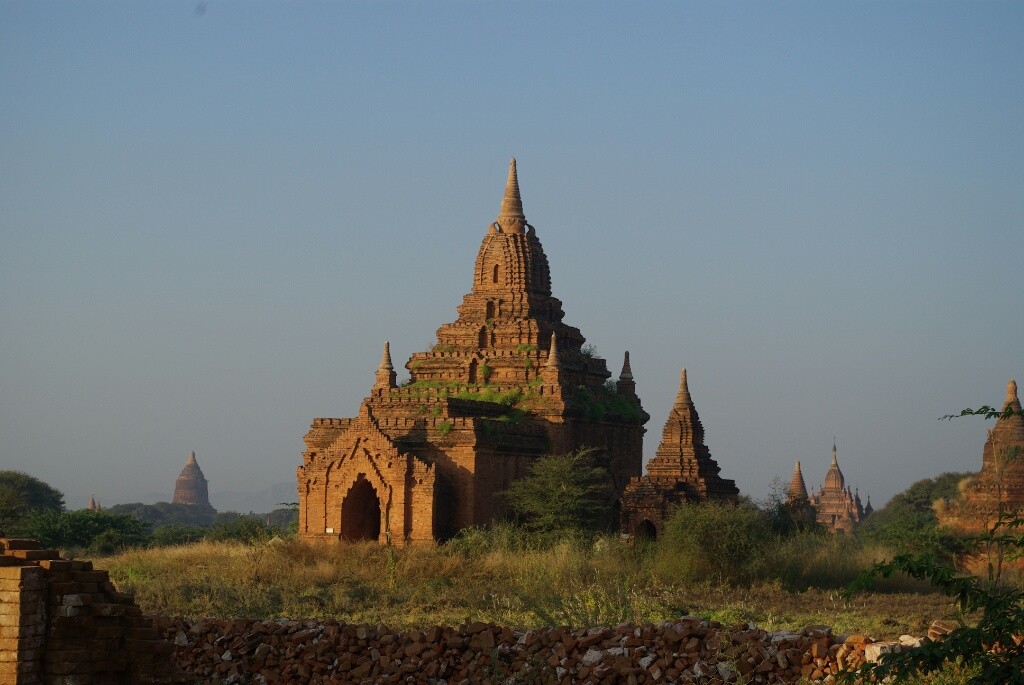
(191, 458)
(797, 487)
(627, 372)
(625, 384)
(835, 462)
(511, 217)
(386, 377)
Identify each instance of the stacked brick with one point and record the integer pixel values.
(685, 650)
(63, 623)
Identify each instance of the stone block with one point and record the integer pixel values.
(7, 544)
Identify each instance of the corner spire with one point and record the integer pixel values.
(553, 351)
(385, 376)
(511, 217)
(625, 384)
(627, 373)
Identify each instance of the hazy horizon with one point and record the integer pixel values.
(214, 214)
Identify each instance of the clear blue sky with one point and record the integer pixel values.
(212, 215)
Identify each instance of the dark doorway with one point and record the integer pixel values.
(360, 512)
(472, 371)
(646, 530)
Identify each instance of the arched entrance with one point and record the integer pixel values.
(360, 512)
(646, 530)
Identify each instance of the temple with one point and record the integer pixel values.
(682, 470)
(797, 493)
(999, 486)
(506, 382)
(191, 486)
(838, 508)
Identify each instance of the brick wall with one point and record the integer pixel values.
(63, 623)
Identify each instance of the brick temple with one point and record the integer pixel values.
(682, 470)
(1001, 479)
(836, 505)
(508, 381)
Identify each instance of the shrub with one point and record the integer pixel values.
(562, 492)
(79, 529)
(714, 542)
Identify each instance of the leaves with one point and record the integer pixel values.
(562, 492)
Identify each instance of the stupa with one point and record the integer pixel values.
(191, 486)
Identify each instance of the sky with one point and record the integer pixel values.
(213, 214)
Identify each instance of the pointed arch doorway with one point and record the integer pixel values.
(360, 512)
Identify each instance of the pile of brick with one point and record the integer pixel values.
(688, 649)
(63, 623)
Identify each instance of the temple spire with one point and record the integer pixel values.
(683, 397)
(625, 384)
(191, 458)
(835, 462)
(797, 487)
(1011, 395)
(511, 217)
(385, 377)
(553, 352)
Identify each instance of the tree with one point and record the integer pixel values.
(562, 492)
(80, 529)
(22, 494)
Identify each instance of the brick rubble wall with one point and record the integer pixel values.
(63, 623)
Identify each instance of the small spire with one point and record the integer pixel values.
(1011, 392)
(553, 351)
(835, 462)
(511, 217)
(385, 376)
(627, 373)
(683, 397)
(192, 457)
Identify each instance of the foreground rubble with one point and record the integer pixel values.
(685, 650)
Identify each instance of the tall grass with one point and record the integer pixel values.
(504, 575)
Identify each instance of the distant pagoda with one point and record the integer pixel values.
(838, 507)
(191, 486)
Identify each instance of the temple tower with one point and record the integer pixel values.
(682, 470)
(838, 509)
(797, 493)
(191, 486)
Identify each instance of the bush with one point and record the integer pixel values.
(563, 492)
(714, 542)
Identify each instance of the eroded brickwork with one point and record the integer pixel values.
(1001, 479)
(507, 382)
(63, 623)
(191, 486)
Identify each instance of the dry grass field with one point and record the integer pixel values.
(571, 582)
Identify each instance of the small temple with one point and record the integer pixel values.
(837, 507)
(191, 486)
(507, 382)
(1000, 483)
(681, 471)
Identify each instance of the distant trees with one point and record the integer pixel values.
(908, 522)
(22, 495)
(100, 531)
